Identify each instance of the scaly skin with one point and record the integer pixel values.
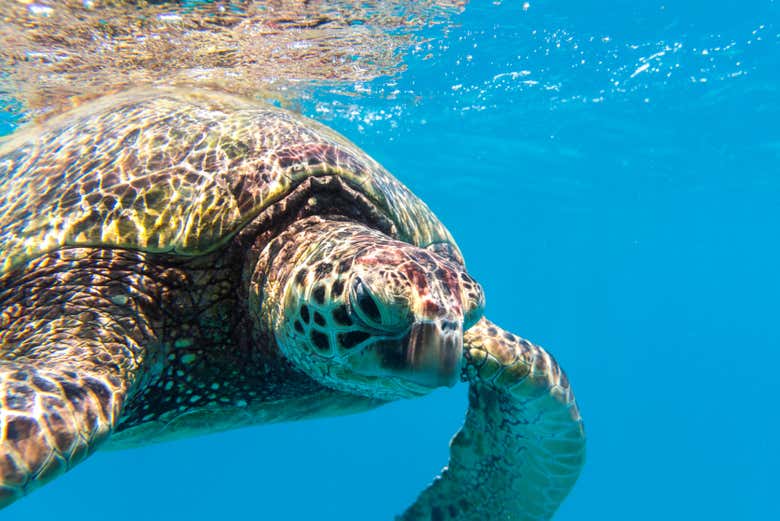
(182, 261)
(361, 312)
(522, 446)
(73, 325)
(173, 170)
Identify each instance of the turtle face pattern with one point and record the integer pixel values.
(160, 242)
(374, 316)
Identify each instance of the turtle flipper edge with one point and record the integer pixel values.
(50, 419)
(73, 327)
(522, 445)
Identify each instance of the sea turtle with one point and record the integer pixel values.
(177, 261)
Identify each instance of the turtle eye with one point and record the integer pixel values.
(365, 305)
(391, 317)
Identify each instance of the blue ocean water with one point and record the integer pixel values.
(612, 174)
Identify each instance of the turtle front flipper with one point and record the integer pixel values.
(52, 418)
(522, 446)
(73, 325)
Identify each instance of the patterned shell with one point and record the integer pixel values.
(175, 170)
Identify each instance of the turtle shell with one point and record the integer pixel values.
(178, 171)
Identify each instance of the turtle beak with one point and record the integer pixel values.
(434, 352)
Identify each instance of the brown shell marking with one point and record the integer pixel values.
(175, 170)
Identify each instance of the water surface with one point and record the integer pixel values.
(611, 174)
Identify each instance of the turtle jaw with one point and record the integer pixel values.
(428, 356)
(434, 352)
(363, 313)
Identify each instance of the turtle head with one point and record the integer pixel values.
(370, 315)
